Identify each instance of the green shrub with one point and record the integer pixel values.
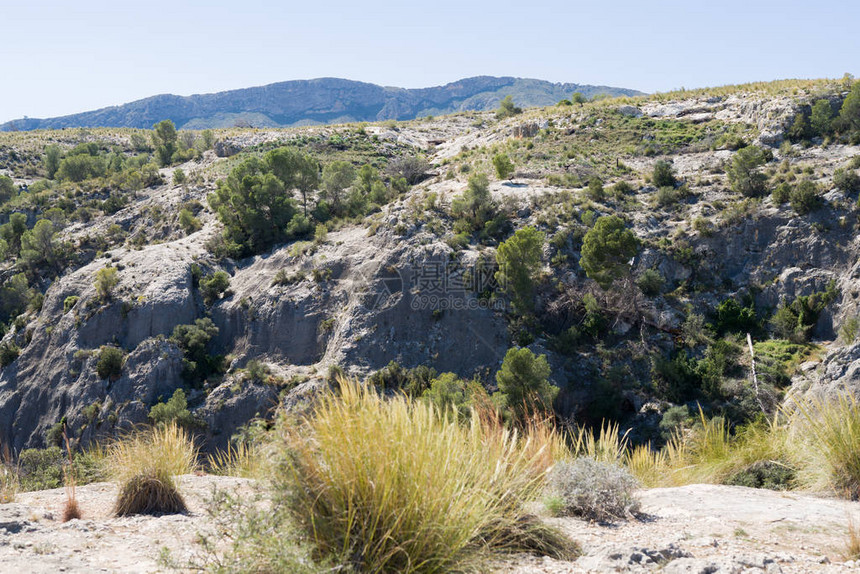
(213, 286)
(174, 411)
(475, 207)
(795, 320)
(519, 261)
(593, 490)
(666, 197)
(848, 330)
(70, 302)
(507, 108)
(621, 188)
(744, 175)
(8, 353)
(110, 362)
(448, 393)
(769, 474)
(846, 180)
(524, 386)
(676, 379)
(782, 193)
(41, 468)
(663, 174)
(595, 189)
(607, 249)
(414, 382)
(804, 198)
(106, 279)
(194, 341)
(504, 166)
(188, 222)
(731, 317)
(650, 282)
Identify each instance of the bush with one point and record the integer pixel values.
(663, 174)
(607, 249)
(41, 468)
(666, 197)
(475, 207)
(70, 302)
(594, 490)
(846, 180)
(413, 381)
(769, 474)
(804, 198)
(110, 362)
(651, 282)
(212, 287)
(145, 466)
(8, 353)
(519, 261)
(106, 279)
(174, 411)
(507, 108)
(194, 342)
(731, 317)
(744, 175)
(188, 222)
(503, 165)
(363, 480)
(524, 385)
(595, 189)
(781, 194)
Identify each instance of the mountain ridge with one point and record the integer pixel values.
(317, 101)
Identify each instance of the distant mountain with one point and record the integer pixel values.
(320, 101)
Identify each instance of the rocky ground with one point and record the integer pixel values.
(691, 529)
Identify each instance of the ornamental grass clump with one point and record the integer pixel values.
(394, 485)
(145, 465)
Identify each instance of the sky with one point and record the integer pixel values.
(60, 57)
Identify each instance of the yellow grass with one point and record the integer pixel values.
(145, 465)
(392, 485)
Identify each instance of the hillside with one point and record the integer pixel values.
(319, 101)
(123, 281)
(677, 269)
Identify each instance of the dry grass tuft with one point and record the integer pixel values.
(392, 485)
(145, 465)
(826, 439)
(71, 510)
(852, 543)
(149, 495)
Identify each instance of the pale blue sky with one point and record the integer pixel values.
(66, 56)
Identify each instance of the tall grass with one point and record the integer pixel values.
(826, 435)
(247, 460)
(393, 485)
(9, 482)
(145, 465)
